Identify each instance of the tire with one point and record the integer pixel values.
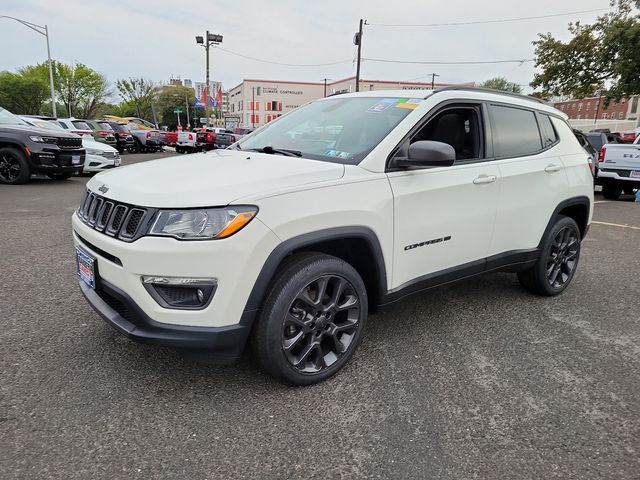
(611, 191)
(179, 150)
(137, 147)
(14, 167)
(59, 176)
(301, 334)
(558, 260)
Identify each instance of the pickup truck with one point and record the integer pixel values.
(186, 142)
(229, 137)
(619, 169)
(145, 140)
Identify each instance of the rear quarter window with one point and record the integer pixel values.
(515, 131)
(549, 135)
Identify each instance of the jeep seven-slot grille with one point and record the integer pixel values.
(120, 220)
(65, 142)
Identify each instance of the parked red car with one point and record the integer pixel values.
(629, 137)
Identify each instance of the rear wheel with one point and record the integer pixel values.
(557, 262)
(59, 176)
(14, 168)
(611, 191)
(312, 320)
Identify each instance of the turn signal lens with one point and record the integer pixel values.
(236, 224)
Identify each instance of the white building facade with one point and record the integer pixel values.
(256, 102)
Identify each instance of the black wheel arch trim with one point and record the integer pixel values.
(570, 202)
(290, 245)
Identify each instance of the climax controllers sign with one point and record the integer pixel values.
(281, 92)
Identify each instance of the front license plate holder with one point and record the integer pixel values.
(86, 267)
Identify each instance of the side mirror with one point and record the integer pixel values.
(427, 153)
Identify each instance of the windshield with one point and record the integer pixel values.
(342, 130)
(8, 118)
(81, 125)
(105, 126)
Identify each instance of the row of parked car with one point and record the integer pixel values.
(208, 138)
(614, 161)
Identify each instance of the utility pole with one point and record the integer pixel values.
(211, 39)
(186, 102)
(357, 40)
(433, 80)
(45, 32)
(325, 85)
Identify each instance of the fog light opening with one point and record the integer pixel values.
(180, 293)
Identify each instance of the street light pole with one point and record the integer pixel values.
(206, 42)
(45, 32)
(253, 107)
(433, 80)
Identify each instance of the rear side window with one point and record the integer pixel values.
(549, 136)
(515, 132)
(63, 125)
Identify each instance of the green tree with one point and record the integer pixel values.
(140, 93)
(501, 83)
(171, 98)
(80, 89)
(23, 95)
(602, 58)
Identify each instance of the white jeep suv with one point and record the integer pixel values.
(291, 236)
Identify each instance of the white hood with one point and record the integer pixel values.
(209, 179)
(93, 145)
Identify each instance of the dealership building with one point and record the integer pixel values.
(256, 102)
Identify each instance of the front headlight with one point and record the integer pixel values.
(202, 224)
(39, 139)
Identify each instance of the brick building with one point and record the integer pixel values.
(592, 108)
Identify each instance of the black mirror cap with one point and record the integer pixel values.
(428, 153)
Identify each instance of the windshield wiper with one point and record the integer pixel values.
(279, 151)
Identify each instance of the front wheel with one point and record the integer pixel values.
(14, 168)
(312, 321)
(556, 265)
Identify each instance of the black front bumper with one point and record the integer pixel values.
(219, 344)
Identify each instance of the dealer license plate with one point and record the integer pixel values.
(635, 174)
(75, 159)
(86, 267)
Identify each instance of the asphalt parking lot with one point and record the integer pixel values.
(475, 380)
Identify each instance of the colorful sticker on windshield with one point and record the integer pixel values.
(411, 103)
(382, 105)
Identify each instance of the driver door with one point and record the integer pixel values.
(444, 216)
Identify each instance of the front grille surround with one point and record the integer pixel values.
(116, 219)
(69, 143)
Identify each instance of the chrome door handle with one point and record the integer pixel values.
(552, 168)
(485, 179)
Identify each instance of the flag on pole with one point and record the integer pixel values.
(219, 98)
(205, 99)
(198, 103)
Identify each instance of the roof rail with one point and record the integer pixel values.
(488, 90)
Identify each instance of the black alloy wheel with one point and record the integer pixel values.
(312, 319)
(14, 168)
(9, 167)
(557, 261)
(320, 324)
(563, 257)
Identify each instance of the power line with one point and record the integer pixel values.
(483, 22)
(478, 62)
(281, 63)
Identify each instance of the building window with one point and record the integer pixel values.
(634, 105)
(580, 106)
(573, 106)
(605, 115)
(620, 116)
(588, 105)
(255, 118)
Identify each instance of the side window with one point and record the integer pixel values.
(515, 131)
(63, 125)
(457, 126)
(549, 136)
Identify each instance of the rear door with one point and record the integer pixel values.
(533, 180)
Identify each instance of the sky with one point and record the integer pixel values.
(155, 39)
